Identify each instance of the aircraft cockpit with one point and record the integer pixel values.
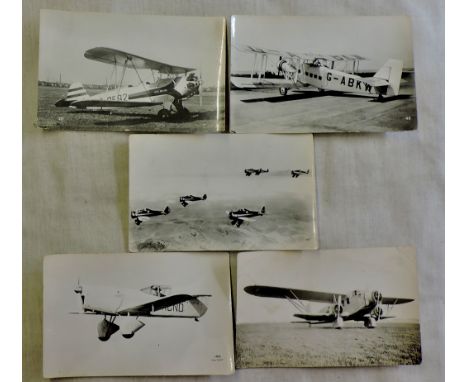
(158, 290)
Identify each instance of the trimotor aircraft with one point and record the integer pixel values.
(128, 305)
(171, 85)
(255, 171)
(296, 173)
(238, 217)
(186, 200)
(315, 71)
(145, 214)
(358, 305)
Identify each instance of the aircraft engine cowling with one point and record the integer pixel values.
(130, 327)
(287, 68)
(376, 296)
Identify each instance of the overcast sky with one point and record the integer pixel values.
(376, 38)
(165, 166)
(194, 42)
(392, 271)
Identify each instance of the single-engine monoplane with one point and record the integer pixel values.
(296, 173)
(186, 200)
(238, 217)
(255, 171)
(129, 305)
(145, 214)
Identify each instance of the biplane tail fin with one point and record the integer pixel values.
(391, 72)
(76, 92)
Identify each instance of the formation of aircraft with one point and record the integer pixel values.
(255, 171)
(185, 200)
(314, 71)
(171, 85)
(363, 306)
(129, 305)
(238, 217)
(146, 213)
(296, 173)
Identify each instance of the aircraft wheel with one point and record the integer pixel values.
(137, 222)
(283, 91)
(164, 114)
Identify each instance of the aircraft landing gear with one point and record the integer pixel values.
(283, 91)
(164, 114)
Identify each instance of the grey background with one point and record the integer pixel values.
(373, 190)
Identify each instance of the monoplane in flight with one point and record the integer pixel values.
(255, 171)
(171, 85)
(363, 306)
(238, 217)
(145, 214)
(296, 173)
(186, 200)
(128, 306)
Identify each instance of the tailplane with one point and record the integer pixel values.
(76, 92)
(391, 72)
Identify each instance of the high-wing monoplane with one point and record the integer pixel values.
(315, 71)
(255, 171)
(186, 200)
(238, 217)
(129, 305)
(296, 173)
(145, 214)
(364, 306)
(171, 85)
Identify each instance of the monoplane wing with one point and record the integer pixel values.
(158, 304)
(395, 300)
(295, 294)
(101, 103)
(120, 58)
(320, 318)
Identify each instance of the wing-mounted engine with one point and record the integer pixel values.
(157, 290)
(288, 68)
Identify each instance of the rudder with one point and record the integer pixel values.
(391, 72)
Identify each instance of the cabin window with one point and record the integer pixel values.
(347, 300)
(320, 78)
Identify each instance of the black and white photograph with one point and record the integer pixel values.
(121, 72)
(328, 308)
(152, 314)
(221, 192)
(321, 74)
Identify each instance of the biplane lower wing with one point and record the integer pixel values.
(110, 104)
(255, 83)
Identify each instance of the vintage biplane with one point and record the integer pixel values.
(129, 305)
(238, 217)
(186, 200)
(296, 173)
(255, 171)
(298, 71)
(169, 87)
(145, 214)
(358, 305)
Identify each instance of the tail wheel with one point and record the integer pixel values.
(164, 114)
(283, 91)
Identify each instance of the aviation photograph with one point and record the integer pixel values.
(327, 308)
(118, 72)
(293, 74)
(120, 314)
(217, 192)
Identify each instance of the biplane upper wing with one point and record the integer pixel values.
(120, 58)
(294, 294)
(301, 56)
